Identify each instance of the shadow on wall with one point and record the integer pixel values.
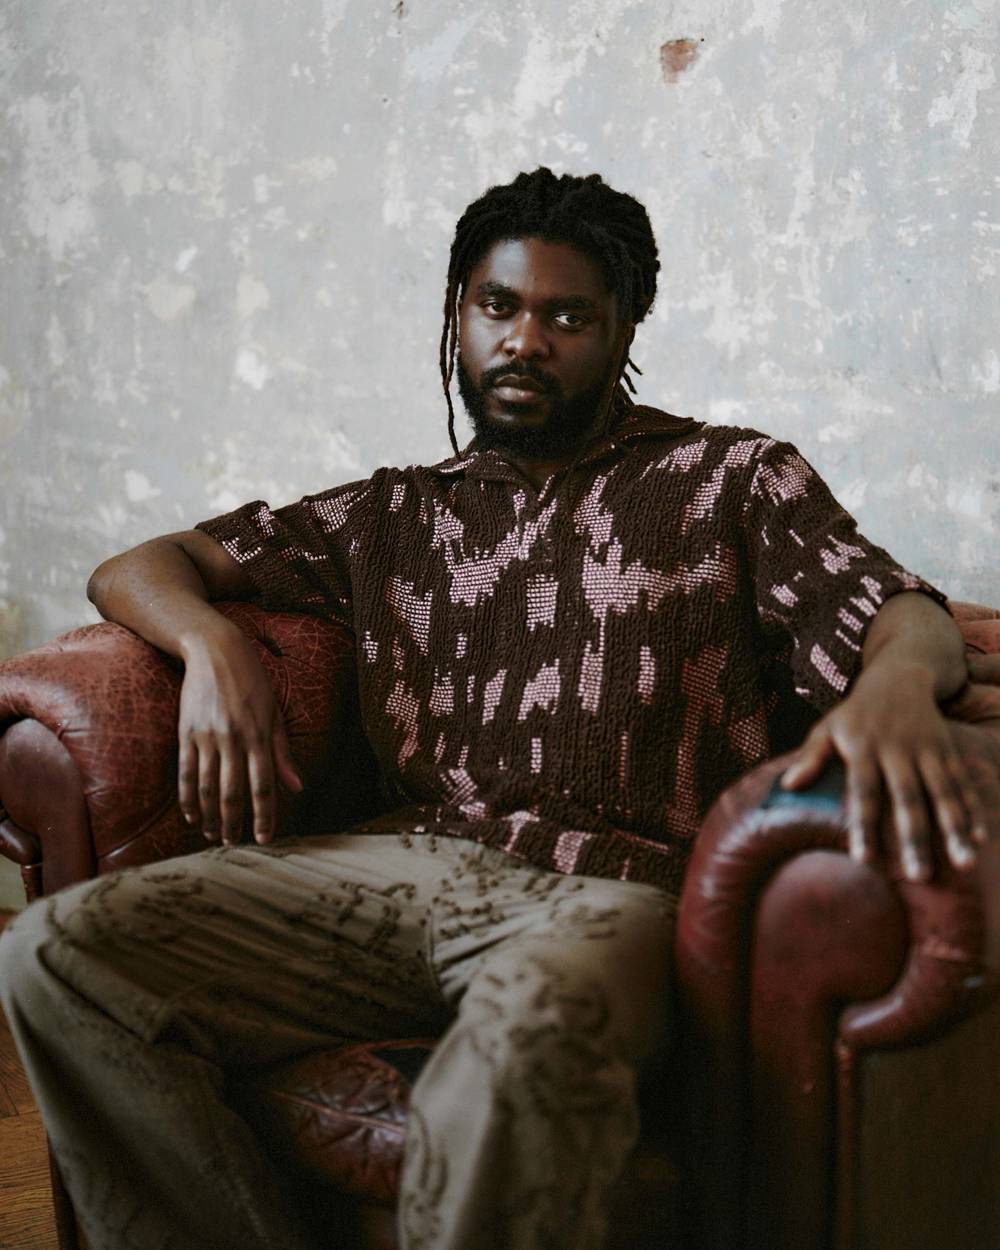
(15, 626)
(18, 624)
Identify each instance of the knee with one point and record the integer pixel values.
(538, 1016)
(541, 1048)
(34, 942)
(20, 962)
(569, 1021)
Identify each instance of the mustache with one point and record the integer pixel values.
(491, 377)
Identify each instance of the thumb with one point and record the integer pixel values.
(812, 755)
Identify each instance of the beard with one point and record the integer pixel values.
(566, 427)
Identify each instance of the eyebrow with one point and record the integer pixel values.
(497, 290)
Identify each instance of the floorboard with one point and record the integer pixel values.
(26, 1218)
(15, 1093)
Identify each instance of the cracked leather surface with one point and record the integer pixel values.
(110, 700)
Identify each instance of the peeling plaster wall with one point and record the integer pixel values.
(224, 229)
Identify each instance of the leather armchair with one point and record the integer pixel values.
(836, 1084)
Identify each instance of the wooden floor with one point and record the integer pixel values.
(26, 1219)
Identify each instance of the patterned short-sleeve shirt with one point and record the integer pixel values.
(573, 674)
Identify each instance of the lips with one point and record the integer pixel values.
(518, 381)
(514, 388)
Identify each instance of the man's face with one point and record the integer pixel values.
(539, 333)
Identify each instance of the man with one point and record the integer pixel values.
(569, 639)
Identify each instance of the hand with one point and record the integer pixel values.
(891, 735)
(231, 732)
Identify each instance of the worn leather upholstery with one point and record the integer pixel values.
(104, 703)
(814, 991)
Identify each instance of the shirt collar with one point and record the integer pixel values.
(640, 422)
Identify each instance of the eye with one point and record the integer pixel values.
(495, 308)
(570, 321)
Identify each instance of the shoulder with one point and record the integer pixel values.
(740, 468)
(737, 442)
(366, 491)
(763, 455)
(699, 445)
(743, 444)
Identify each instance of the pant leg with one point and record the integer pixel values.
(134, 998)
(525, 1114)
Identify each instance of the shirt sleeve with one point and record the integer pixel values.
(818, 582)
(299, 557)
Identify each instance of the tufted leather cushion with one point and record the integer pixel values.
(342, 1113)
(341, 1116)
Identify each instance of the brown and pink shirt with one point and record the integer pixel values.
(573, 674)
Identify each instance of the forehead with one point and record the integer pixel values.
(538, 269)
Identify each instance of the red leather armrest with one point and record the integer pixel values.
(778, 933)
(743, 842)
(104, 708)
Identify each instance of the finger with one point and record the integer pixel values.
(946, 785)
(208, 789)
(232, 785)
(260, 770)
(984, 668)
(808, 764)
(911, 818)
(863, 802)
(288, 772)
(187, 782)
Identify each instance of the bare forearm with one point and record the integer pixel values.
(230, 729)
(911, 630)
(163, 593)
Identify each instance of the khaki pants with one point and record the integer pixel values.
(135, 997)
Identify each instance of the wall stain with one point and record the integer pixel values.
(130, 341)
(677, 55)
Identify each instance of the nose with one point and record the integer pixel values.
(526, 338)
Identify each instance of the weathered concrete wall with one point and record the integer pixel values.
(224, 227)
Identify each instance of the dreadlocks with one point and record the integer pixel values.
(608, 225)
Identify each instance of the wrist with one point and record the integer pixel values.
(940, 682)
(913, 633)
(206, 636)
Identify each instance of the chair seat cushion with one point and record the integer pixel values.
(341, 1115)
